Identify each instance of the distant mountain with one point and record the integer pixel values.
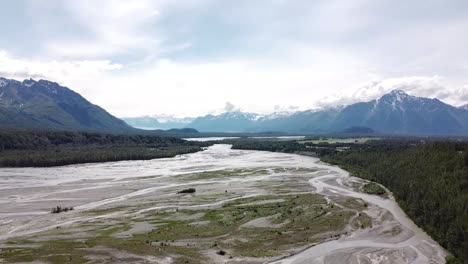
(158, 122)
(47, 105)
(400, 113)
(227, 122)
(394, 113)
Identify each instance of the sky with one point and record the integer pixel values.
(194, 57)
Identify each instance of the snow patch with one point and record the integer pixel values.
(172, 119)
(29, 82)
(236, 115)
(464, 107)
(276, 115)
(3, 83)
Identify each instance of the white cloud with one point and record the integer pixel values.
(65, 72)
(199, 88)
(284, 108)
(192, 89)
(190, 57)
(229, 107)
(422, 86)
(112, 27)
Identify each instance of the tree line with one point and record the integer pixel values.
(52, 148)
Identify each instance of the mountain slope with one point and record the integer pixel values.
(47, 105)
(400, 113)
(227, 122)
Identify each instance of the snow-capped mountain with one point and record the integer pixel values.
(47, 105)
(235, 121)
(464, 107)
(400, 113)
(276, 115)
(395, 113)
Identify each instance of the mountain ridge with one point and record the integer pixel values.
(46, 105)
(393, 113)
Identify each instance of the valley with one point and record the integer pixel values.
(233, 132)
(245, 207)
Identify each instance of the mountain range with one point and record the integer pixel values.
(394, 113)
(43, 104)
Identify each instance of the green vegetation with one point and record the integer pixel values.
(332, 140)
(286, 146)
(315, 146)
(44, 149)
(186, 234)
(373, 188)
(429, 181)
(57, 251)
(300, 216)
(60, 209)
(218, 174)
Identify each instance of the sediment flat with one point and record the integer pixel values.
(248, 207)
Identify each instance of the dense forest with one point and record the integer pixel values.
(429, 179)
(43, 149)
(287, 146)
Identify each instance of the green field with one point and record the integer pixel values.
(338, 140)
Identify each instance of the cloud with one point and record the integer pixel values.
(422, 86)
(188, 57)
(283, 108)
(106, 28)
(168, 85)
(462, 94)
(65, 72)
(229, 107)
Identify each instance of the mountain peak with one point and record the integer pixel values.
(464, 107)
(5, 81)
(29, 82)
(397, 91)
(396, 96)
(399, 94)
